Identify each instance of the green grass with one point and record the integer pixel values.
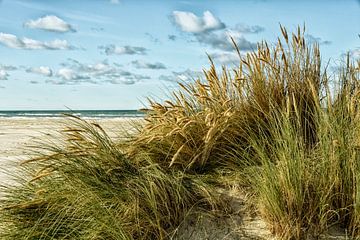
(281, 125)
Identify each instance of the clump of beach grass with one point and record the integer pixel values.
(278, 125)
(281, 123)
(205, 125)
(83, 186)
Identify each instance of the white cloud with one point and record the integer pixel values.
(187, 75)
(74, 72)
(100, 67)
(222, 41)
(95, 70)
(112, 49)
(202, 29)
(4, 71)
(3, 74)
(13, 41)
(57, 44)
(114, 1)
(141, 64)
(225, 57)
(189, 22)
(50, 23)
(248, 29)
(8, 67)
(42, 70)
(70, 74)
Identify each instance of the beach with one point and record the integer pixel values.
(17, 134)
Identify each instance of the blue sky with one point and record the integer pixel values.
(112, 54)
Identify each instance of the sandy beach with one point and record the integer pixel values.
(16, 134)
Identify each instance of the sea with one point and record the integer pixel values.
(79, 113)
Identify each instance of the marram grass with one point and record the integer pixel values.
(86, 188)
(288, 130)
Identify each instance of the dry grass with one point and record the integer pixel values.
(274, 123)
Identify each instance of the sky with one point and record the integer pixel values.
(113, 54)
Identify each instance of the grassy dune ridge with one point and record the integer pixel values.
(277, 126)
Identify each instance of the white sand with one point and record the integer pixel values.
(16, 134)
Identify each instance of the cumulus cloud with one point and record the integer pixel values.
(8, 67)
(242, 28)
(222, 41)
(146, 65)
(225, 57)
(189, 22)
(3, 75)
(70, 74)
(13, 41)
(203, 30)
(99, 68)
(312, 39)
(126, 79)
(42, 70)
(186, 75)
(50, 23)
(74, 72)
(112, 49)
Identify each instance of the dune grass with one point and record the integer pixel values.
(86, 188)
(281, 125)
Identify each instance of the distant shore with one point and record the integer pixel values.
(80, 113)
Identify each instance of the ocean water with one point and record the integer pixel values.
(79, 113)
